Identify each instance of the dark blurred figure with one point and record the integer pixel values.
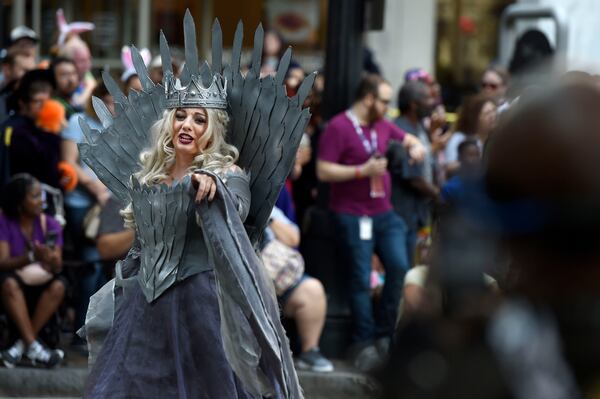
(25, 147)
(532, 62)
(540, 340)
(413, 185)
(369, 63)
(532, 50)
(305, 187)
(456, 190)
(14, 65)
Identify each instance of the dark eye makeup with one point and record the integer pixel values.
(198, 117)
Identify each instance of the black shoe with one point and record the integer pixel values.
(367, 358)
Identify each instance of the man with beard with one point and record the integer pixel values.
(67, 81)
(413, 187)
(350, 159)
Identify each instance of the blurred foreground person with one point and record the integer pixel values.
(540, 340)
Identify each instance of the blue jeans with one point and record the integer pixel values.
(411, 246)
(389, 243)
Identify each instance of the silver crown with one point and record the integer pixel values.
(195, 94)
(197, 86)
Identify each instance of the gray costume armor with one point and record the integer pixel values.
(190, 312)
(172, 246)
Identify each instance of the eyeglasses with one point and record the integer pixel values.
(385, 101)
(489, 85)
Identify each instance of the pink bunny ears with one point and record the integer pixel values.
(65, 29)
(127, 60)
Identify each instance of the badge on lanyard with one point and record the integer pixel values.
(365, 228)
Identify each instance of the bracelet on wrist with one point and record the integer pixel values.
(357, 173)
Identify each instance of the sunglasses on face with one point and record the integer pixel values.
(489, 85)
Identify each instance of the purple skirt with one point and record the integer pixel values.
(170, 348)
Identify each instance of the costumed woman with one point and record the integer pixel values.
(194, 316)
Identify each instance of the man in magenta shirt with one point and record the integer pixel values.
(350, 159)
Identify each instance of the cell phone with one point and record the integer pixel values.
(446, 128)
(51, 238)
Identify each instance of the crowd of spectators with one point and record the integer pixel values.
(389, 183)
(379, 213)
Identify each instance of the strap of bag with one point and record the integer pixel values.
(43, 222)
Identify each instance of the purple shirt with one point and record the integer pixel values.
(341, 144)
(10, 232)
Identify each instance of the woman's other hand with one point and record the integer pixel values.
(43, 254)
(206, 186)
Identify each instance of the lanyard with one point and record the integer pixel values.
(370, 147)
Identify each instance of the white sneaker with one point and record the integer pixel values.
(42, 356)
(12, 356)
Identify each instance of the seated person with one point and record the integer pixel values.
(30, 258)
(114, 239)
(304, 301)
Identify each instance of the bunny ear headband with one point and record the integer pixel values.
(65, 29)
(127, 60)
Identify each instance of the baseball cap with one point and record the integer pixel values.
(23, 32)
(418, 74)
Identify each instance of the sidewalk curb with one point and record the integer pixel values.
(69, 382)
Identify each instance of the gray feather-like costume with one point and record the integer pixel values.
(266, 127)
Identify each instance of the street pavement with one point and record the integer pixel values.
(68, 382)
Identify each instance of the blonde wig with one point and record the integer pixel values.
(157, 162)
